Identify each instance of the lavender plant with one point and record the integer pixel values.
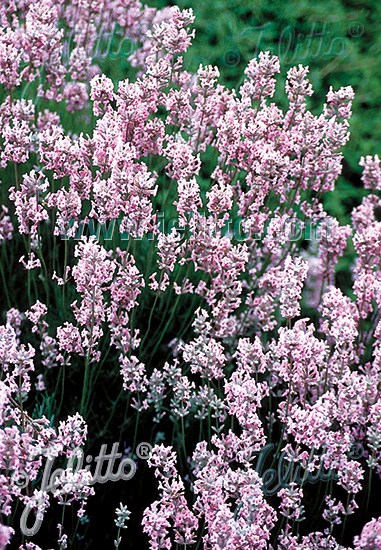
(168, 276)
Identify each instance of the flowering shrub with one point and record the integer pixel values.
(169, 275)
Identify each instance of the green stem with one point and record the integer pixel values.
(87, 365)
(110, 416)
(369, 489)
(152, 310)
(5, 286)
(168, 305)
(117, 541)
(64, 278)
(45, 280)
(345, 519)
(166, 326)
(136, 425)
(170, 317)
(94, 377)
(183, 438)
(16, 177)
(75, 532)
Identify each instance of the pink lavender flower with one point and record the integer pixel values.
(370, 538)
(102, 93)
(5, 535)
(6, 226)
(371, 174)
(75, 95)
(290, 505)
(260, 73)
(36, 312)
(28, 200)
(72, 433)
(289, 280)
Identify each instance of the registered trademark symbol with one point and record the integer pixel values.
(143, 450)
(355, 29)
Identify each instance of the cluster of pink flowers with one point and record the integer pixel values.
(200, 329)
(26, 442)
